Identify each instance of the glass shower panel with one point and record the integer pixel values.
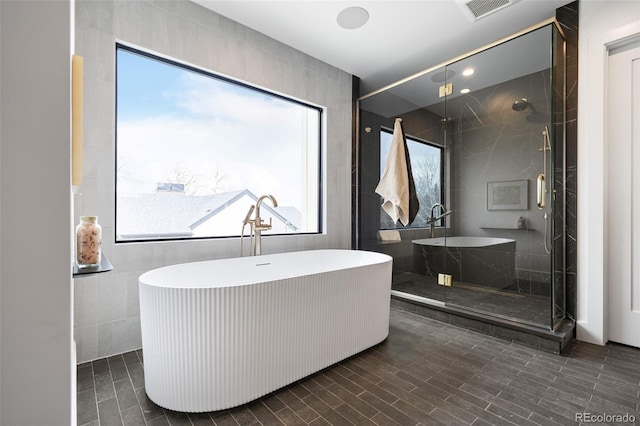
(485, 136)
(498, 135)
(410, 100)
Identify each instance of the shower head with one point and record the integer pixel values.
(533, 116)
(520, 104)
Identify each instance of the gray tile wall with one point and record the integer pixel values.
(106, 306)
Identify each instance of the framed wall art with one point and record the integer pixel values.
(508, 195)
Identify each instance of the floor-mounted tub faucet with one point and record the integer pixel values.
(432, 219)
(257, 225)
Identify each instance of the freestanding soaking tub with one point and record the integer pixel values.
(220, 333)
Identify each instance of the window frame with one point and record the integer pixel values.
(442, 158)
(165, 59)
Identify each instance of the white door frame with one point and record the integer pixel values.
(591, 324)
(622, 182)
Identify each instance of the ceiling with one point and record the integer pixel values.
(400, 38)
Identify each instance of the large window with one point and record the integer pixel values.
(426, 166)
(195, 150)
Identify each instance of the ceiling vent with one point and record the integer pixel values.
(476, 9)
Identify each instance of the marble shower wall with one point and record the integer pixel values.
(568, 18)
(490, 142)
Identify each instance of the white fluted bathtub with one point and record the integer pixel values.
(220, 333)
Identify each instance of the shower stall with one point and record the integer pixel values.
(486, 140)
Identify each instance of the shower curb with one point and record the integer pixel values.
(556, 342)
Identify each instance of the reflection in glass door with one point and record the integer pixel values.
(493, 242)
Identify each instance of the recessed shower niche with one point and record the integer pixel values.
(494, 124)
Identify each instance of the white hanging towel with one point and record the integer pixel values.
(396, 183)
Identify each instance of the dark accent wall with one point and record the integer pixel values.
(567, 16)
(355, 198)
(489, 142)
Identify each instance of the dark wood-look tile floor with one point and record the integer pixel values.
(426, 373)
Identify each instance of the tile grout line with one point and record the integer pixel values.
(115, 392)
(95, 393)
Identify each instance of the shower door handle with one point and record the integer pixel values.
(541, 191)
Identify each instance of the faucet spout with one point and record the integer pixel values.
(274, 203)
(433, 219)
(257, 225)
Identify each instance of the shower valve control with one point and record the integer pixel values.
(444, 279)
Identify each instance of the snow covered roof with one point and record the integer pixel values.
(176, 215)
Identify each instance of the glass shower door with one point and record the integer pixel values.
(503, 181)
(485, 135)
(414, 271)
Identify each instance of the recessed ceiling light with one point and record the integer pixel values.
(468, 71)
(353, 17)
(465, 91)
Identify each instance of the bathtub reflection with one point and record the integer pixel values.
(478, 260)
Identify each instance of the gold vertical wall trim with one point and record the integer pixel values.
(76, 118)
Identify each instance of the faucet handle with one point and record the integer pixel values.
(263, 226)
